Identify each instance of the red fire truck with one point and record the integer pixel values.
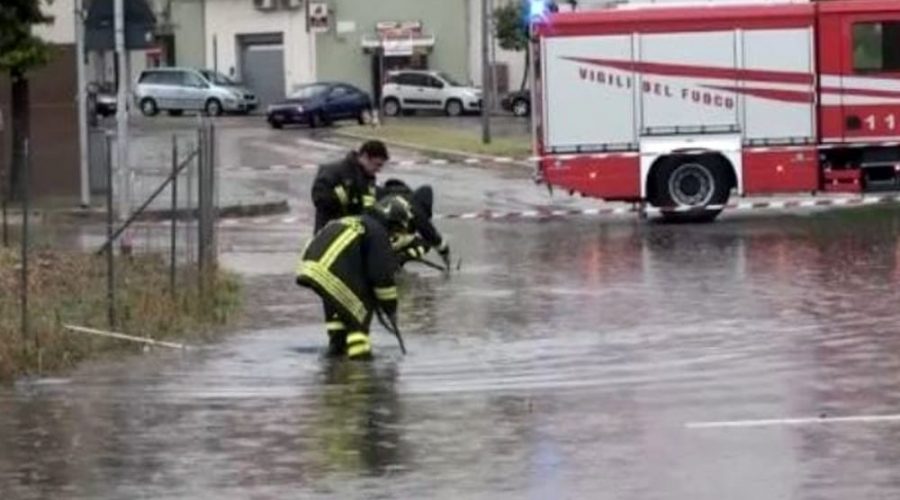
(681, 106)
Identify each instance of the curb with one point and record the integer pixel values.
(460, 156)
(253, 210)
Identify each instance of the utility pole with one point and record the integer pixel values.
(82, 106)
(122, 111)
(487, 99)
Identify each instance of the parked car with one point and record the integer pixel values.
(186, 89)
(518, 102)
(410, 90)
(319, 104)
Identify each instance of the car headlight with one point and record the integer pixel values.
(299, 109)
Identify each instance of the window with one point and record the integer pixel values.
(189, 79)
(411, 79)
(167, 78)
(876, 47)
(151, 77)
(309, 91)
(338, 92)
(435, 83)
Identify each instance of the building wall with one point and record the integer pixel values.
(341, 57)
(225, 20)
(190, 49)
(54, 114)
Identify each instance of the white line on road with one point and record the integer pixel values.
(860, 419)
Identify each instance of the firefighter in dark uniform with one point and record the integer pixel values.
(423, 236)
(348, 186)
(350, 264)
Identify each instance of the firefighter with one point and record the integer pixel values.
(423, 236)
(347, 187)
(350, 264)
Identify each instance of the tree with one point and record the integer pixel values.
(20, 51)
(511, 31)
(511, 28)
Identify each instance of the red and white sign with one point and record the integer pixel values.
(318, 17)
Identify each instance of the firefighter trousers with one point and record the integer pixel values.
(343, 338)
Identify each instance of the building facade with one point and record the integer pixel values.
(53, 146)
(364, 39)
(264, 43)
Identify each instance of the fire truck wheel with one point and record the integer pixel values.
(692, 189)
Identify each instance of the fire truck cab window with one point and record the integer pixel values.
(876, 47)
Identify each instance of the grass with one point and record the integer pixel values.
(70, 288)
(466, 141)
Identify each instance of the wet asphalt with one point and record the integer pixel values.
(567, 358)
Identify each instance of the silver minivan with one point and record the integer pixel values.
(186, 89)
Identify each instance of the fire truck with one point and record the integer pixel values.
(682, 106)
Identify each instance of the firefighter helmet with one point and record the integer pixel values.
(394, 212)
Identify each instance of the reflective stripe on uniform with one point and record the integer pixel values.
(358, 344)
(341, 193)
(336, 288)
(368, 200)
(347, 236)
(386, 293)
(335, 326)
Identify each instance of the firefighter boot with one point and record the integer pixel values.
(337, 339)
(358, 346)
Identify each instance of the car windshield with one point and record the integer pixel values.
(450, 80)
(309, 91)
(218, 78)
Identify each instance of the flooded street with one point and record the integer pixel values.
(569, 358)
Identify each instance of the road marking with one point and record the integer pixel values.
(821, 420)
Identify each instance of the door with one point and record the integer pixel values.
(262, 67)
(434, 92)
(193, 90)
(870, 83)
(413, 90)
(339, 103)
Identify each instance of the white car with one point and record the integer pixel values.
(429, 90)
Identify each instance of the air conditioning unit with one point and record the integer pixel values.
(293, 4)
(265, 4)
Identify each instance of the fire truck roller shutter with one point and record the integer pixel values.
(694, 187)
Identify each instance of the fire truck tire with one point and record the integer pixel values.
(692, 189)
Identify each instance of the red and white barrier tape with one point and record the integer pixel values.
(555, 213)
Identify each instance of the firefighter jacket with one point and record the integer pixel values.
(341, 189)
(351, 265)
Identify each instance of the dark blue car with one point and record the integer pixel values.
(319, 104)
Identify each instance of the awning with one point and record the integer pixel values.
(399, 46)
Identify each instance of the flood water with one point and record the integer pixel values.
(566, 359)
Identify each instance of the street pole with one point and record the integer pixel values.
(26, 199)
(122, 111)
(82, 106)
(485, 74)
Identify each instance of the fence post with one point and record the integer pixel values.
(201, 203)
(110, 249)
(26, 195)
(174, 234)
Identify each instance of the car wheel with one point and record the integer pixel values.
(521, 107)
(316, 120)
(692, 189)
(213, 107)
(454, 107)
(365, 116)
(276, 125)
(392, 107)
(148, 107)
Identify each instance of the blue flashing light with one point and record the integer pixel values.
(538, 9)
